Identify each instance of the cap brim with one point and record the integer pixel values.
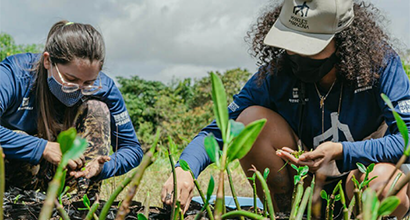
(299, 42)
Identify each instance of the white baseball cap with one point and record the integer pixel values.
(307, 26)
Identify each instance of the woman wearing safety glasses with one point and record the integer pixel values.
(44, 94)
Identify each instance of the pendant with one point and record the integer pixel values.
(322, 102)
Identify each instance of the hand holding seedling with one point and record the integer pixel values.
(52, 154)
(185, 188)
(315, 159)
(91, 169)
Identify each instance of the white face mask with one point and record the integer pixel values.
(68, 99)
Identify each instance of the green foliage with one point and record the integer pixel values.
(149, 104)
(9, 47)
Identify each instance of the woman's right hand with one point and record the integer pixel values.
(185, 184)
(52, 153)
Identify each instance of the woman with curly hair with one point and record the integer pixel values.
(323, 65)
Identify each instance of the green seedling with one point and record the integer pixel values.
(175, 207)
(184, 165)
(330, 201)
(72, 147)
(373, 209)
(16, 199)
(211, 186)
(265, 177)
(366, 181)
(253, 179)
(237, 139)
(2, 183)
(141, 216)
(266, 191)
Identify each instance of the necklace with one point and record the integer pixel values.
(322, 102)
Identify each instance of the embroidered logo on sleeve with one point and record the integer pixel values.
(121, 118)
(233, 106)
(404, 106)
(25, 104)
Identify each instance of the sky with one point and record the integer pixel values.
(166, 39)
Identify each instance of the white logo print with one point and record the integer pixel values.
(333, 131)
(24, 104)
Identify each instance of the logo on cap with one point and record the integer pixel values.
(303, 9)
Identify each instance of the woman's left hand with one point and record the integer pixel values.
(92, 169)
(323, 154)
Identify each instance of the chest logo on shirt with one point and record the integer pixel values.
(361, 86)
(333, 131)
(295, 96)
(24, 105)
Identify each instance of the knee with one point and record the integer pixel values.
(254, 113)
(95, 108)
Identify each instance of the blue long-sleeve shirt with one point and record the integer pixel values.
(362, 111)
(18, 111)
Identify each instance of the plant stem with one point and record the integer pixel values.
(146, 161)
(351, 206)
(296, 201)
(219, 197)
(357, 195)
(92, 210)
(304, 203)
(309, 210)
(400, 185)
(238, 206)
(61, 211)
(394, 182)
(52, 191)
(174, 177)
(331, 207)
(254, 196)
(267, 193)
(207, 206)
(235, 214)
(2, 183)
(398, 165)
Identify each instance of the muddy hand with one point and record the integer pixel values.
(185, 188)
(92, 169)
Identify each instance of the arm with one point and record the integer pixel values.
(16, 146)
(395, 84)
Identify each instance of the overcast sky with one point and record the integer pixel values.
(162, 39)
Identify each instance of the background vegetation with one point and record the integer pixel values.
(180, 109)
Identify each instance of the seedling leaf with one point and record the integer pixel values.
(236, 127)
(86, 201)
(266, 173)
(211, 187)
(361, 167)
(76, 150)
(141, 216)
(400, 125)
(388, 205)
(294, 167)
(220, 108)
(304, 170)
(184, 165)
(66, 139)
(212, 149)
(337, 197)
(243, 143)
(323, 194)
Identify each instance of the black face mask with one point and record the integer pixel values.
(310, 70)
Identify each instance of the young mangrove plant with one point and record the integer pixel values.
(253, 180)
(2, 183)
(72, 147)
(184, 165)
(298, 189)
(211, 186)
(237, 140)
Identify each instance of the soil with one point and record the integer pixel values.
(26, 205)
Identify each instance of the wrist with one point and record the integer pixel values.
(338, 155)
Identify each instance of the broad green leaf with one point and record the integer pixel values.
(141, 216)
(304, 170)
(370, 204)
(184, 165)
(361, 167)
(75, 151)
(220, 105)
(211, 186)
(243, 143)
(294, 167)
(66, 139)
(236, 128)
(266, 173)
(212, 149)
(400, 125)
(388, 205)
(323, 194)
(86, 201)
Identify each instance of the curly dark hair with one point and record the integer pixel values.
(361, 47)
